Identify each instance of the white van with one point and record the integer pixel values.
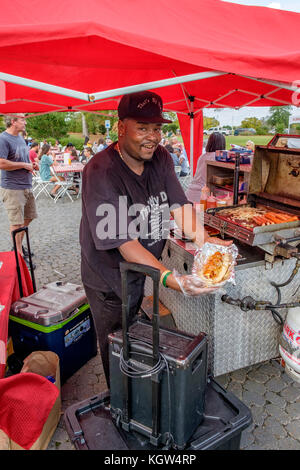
(222, 130)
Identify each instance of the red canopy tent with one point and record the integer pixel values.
(72, 55)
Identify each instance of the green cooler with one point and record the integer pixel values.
(56, 318)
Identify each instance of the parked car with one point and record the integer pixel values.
(222, 130)
(245, 131)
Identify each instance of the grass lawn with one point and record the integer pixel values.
(242, 139)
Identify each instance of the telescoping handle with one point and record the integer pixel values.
(154, 273)
(14, 233)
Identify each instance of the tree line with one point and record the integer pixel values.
(277, 121)
(60, 125)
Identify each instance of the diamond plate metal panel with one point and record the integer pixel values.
(237, 339)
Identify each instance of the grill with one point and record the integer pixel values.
(274, 188)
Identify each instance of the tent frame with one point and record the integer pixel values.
(101, 96)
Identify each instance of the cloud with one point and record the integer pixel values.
(274, 5)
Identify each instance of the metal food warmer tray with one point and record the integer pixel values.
(274, 186)
(239, 318)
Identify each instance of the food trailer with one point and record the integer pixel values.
(244, 321)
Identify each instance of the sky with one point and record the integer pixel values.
(234, 117)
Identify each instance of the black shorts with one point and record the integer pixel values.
(106, 309)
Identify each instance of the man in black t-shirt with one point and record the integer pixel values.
(129, 191)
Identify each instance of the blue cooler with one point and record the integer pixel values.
(221, 155)
(229, 155)
(245, 155)
(56, 318)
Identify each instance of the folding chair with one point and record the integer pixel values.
(64, 186)
(39, 186)
(185, 181)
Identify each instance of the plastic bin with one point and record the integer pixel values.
(90, 427)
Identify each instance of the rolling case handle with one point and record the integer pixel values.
(155, 275)
(14, 233)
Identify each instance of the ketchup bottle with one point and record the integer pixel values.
(204, 196)
(211, 201)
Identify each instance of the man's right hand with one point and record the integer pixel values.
(189, 285)
(28, 167)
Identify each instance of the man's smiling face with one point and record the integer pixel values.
(139, 139)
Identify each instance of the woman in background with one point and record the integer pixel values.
(46, 161)
(216, 141)
(250, 145)
(87, 155)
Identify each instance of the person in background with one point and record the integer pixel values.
(175, 158)
(95, 147)
(68, 148)
(182, 161)
(282, 142)
(74, 156)
(108, 142)
(87, 155)
(76, 175)
(46, 161)
(16, 178)
(216, 141)
(172, 153)
(33, 156)
(101, 145)
(174, 142)
(250, 145)
(57, 145)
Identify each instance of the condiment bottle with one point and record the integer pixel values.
(203, 197)
(211, 201)
(221, 203)
(229, 200)
(66, 158)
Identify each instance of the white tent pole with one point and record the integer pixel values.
(46, 112)
(210, 103)
(192, 122)
(173, 102)
(265, 95)
(91, 112)
(149, 85)
(184, 92)
(174, 111)
(274, 83)
(6, 77)
(93, 103)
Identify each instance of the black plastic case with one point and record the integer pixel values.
(90, 427)
(166, 405)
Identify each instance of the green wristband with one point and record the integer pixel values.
(165, 278)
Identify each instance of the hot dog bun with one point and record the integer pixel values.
(215, 269)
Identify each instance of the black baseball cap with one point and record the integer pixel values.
(144, 106)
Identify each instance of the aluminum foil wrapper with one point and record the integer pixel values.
(192, 284)
(208, 249)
